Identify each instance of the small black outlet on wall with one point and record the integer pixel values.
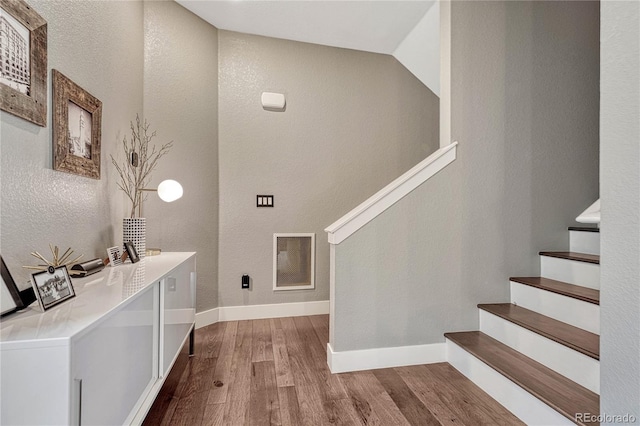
(245, 281)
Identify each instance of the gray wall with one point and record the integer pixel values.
(525, 112)
(99, 45)
(620, 191)
(353, 122)
(181, 103)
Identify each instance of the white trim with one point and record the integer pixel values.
(390, 194)
(584, 242)
(312, 275)
(250, 312)
(368, 359)
(445, 72)
(206, 318)
(521, 403)
(584, 274)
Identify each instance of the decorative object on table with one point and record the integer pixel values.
(77, 124)
(131, 252)
(141, 158)
(12, 299)
(23, 76)
(87, 268)
(58, 260)
(115, 255)
(153, 251)
(52, 286)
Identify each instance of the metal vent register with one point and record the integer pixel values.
(293, 261)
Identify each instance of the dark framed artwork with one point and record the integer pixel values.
(77, 124)
(10, 300)
(23, 59)
(131, 251)
(52, 286)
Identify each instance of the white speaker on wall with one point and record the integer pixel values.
(273, 101)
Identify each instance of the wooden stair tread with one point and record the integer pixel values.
(572, 255)
(560, 287)
(562, 394)
(584, 229)
(573, 337)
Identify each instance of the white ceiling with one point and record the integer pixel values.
(372, 26)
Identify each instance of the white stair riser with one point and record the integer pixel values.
(571, 271)
(576, 312)
(575, 366)
(525, 406)
(584, 242)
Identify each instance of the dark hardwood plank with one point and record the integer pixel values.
(584, 229)
(559, 287)
(341, 412)
(222, 372)
(209, 341)
(371, 401)
(411, 407)
(213, 415)
(284, 378)
(289, 409)
(321, 327)
(262, 348)
(558, 331)
(571, 255)
(565, 396)
(264, 406)
(239, 386)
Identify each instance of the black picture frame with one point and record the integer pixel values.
(131, 252)
(52, 286)
(15, 304)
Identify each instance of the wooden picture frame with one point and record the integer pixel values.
(23, 82)
(77, 124)
(52, 286)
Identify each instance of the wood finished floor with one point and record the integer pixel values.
(274, 372)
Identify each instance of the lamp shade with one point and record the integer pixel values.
(169, 190)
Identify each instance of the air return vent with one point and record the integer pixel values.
(293, 261)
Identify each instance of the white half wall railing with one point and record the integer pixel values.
(591, 214)
(390, 194)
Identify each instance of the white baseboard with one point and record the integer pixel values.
(249, 312)
(369, 359)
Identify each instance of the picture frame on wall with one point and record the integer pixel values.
(77, 128)
(52, 286)
(23, 55)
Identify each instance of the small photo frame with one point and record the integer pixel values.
(115, 256)
(77, 124)
(52, 286)
(131, 252)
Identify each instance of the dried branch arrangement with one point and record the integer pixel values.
(141, 158)
(57, 259)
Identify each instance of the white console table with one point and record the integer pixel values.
(101, 357)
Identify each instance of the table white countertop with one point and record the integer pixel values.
(96, 296)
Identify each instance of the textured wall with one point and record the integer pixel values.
(181, 103)
(525, 112)
(353, 122)
(620, 197)
(99, 45)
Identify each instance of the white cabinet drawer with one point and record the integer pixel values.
(114, 363)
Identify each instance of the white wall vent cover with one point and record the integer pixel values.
(294, 258)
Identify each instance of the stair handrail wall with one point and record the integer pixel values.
(348, 224)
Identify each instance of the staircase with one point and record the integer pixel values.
(539, 355)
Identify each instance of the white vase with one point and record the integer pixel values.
(135, 230)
